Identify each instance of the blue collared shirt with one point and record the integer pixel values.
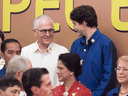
(2, 71)
(98, 59)
(114, 92)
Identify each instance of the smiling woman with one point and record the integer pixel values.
(122, 77)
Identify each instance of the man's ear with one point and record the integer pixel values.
(1, 92)
(84, 23)
(18, 75)
(34, 31)
(35, 90)
(2, 55)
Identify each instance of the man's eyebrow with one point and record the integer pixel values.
(10, 50)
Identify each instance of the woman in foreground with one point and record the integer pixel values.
(122, 77)
(69, 69)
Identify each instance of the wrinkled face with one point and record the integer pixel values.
(44, 38)
(122, 72)
(46, 88)
(78, 27)
(12, 49)
(11, 91)
(63, 72)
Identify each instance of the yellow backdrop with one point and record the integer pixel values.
(16, 20)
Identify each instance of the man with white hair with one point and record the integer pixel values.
(16, 67)
(44, 53)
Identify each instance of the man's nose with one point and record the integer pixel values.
(47, 33)
(52, 87)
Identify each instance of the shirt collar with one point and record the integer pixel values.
(93, 38)
(116, 91)
(36, 47)
(48, 50)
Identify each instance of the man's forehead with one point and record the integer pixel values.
(15, 87)
(45, 78)
(10, 45)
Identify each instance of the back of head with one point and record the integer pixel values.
(32, 77)
(36, 21)
(3, 45)
(8, 81)
(72, 62)
(84, 13)
(17, 63)
(2, 35)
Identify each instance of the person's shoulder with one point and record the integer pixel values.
(85, 90)
(57, 46)
(113, 91)
(84, 87)
(56, 90)
(58, 87)
(105, 38)
(28, 49)
(29, 46)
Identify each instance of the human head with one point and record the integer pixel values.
(44, 29)
(9, 86)
(10, 48)
(36, 82)
(72, 62)
(84, 13)
(122, 69)
(1, 36)
(17, 66)
(1, 39)
(36, 21)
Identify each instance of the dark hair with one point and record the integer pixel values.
(3, 45)
(2, 35)
(84, 13)
(32, 77)
(72, 62)
(8, 81)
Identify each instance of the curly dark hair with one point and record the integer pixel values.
(84, 13)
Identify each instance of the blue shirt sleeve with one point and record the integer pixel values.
(109, 63)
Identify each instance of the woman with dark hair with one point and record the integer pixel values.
(69, 68)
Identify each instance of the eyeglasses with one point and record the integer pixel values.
(118, 69)
(44, 31)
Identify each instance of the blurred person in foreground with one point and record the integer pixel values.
(9, 86)
(122, 77)
(9, 48)
(69, 69)
(1, 40)
(97, 52)
(36, 82)
(16, 67)
(44, 52)
(2, 62)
